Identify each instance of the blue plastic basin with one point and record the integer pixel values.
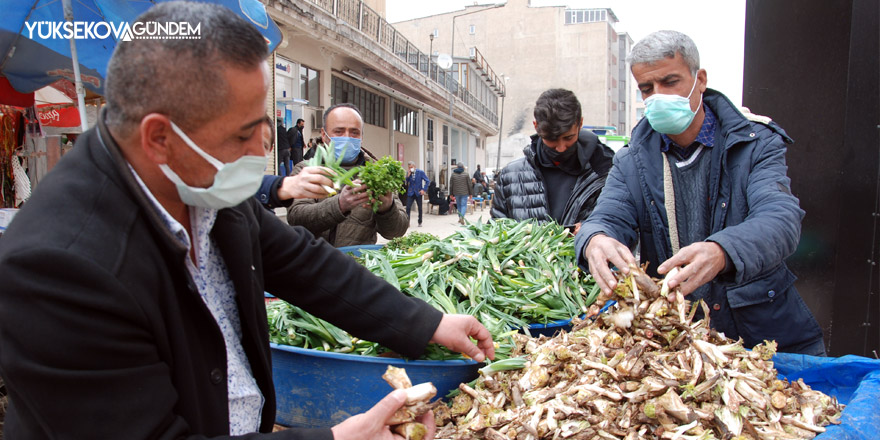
(356, 250)
(550, 328)
(317, 389)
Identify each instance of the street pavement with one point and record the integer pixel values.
(441, 225)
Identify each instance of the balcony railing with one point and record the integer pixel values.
(361, 17)
(487, 72)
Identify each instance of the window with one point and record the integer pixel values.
(472, 29)
(309, 87)
(371, 105)
(575, 16)
(445, 135)
(430, 130)
(406, 120)
(436, 32)
(473, 52)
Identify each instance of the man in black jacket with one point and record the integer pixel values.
(148, 284)
(283, 150)
(296, 141)
(563, 170)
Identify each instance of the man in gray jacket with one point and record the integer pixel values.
(563, 170)
(462, 188)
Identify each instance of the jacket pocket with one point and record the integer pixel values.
(769, 288)
(770, 308)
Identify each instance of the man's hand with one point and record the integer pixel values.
(387, 202)
(422, 192)
(308, 184)
(455, 331)
(602, 250)
(373, 424)
(350, 198)
(699, 263)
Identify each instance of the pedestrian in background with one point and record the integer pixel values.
(296, 141)
(462, 188)
(416, 184)
(478, 175)
(283, 149)
(313, 145)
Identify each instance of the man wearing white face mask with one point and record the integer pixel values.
(703, 188)
(347, 219)
(144, 257)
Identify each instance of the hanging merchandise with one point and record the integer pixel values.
(7, 149)
(21, 181)
(34, 128)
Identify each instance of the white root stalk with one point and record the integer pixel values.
(664, 288)
(417, 403)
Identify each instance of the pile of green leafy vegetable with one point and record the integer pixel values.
(380, 177)
(507, 274)
(410, 241)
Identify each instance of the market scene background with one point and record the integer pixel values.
(449, 83)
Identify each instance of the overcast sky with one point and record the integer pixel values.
(717, 27)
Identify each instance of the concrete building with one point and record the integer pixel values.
(336, 51)
(534, 49)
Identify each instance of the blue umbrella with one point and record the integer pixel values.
(34, 50)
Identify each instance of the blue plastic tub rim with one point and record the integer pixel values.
(356, 250)
(369, 359)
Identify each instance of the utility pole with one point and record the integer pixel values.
(500, 134)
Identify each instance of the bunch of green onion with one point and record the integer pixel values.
(505, 273)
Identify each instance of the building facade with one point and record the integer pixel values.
(535, 49)
(336, 51)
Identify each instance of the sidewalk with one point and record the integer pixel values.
(441, 225)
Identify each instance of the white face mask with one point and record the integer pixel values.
(233, 183)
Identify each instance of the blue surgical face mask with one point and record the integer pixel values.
(671, 114)
(347, 147)
(233, 183)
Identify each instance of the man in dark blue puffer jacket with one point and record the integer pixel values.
(721, 177)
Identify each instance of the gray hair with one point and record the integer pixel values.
(181, 78)
(343, 105)
(664, 44)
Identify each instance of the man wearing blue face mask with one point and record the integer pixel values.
(347, 219)
(703, 188)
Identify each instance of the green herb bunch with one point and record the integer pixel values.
(410, 241)
(381, 177)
